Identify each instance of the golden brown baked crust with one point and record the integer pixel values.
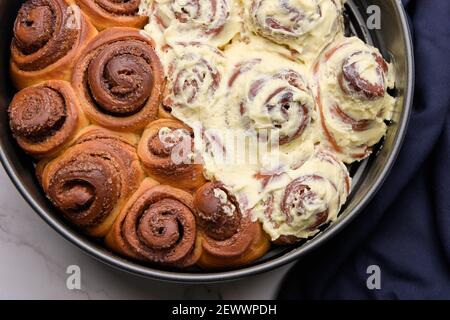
(119, 80)
(46, 117)
(229, 238)
(48, 37)
(157, 225)
(109, 13)
(91, 181)
(169, 161)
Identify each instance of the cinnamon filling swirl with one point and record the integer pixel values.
(41, 34)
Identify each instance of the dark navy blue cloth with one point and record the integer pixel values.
(406, 228)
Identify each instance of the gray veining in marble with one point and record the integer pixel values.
(34, 259)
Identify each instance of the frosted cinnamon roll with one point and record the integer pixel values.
(157, 225)
(313, 198)
(113, 13)
(48, 37)
(280, 101)
(46, 117)
(229, 237)
(166, 151)
(270, 93)
(352, 98)
(91, 181)
(119, 79)
(305, 26)
(195, 74)
(214, 22)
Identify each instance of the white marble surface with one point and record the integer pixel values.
(34, 260)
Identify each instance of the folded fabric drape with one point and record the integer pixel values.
(405, 229)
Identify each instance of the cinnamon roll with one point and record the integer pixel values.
(270, 94)
(352, 97)
(48, 37)
(195, 75)
(214, 22)
(157, 225)
(286, 104)
(113, 13)
(166, 151)
(229, 237)
(91, 181)
(46, 117)
(313, 198)
(119, 79)
(305, 26)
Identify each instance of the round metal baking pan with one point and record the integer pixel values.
(393, 40)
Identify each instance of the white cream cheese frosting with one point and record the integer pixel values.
(269, 109)
(214, 22)
(314, 196)
(305, 26)
(351, 82)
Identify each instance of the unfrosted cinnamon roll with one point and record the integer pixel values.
(166, 151)
(48, 37)
(157, 225)
(352, 98)
(46, 117)
(113, 13)
(313, 198)
(305, 26)
(229, 237)
(119, 79)
(91, 181)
